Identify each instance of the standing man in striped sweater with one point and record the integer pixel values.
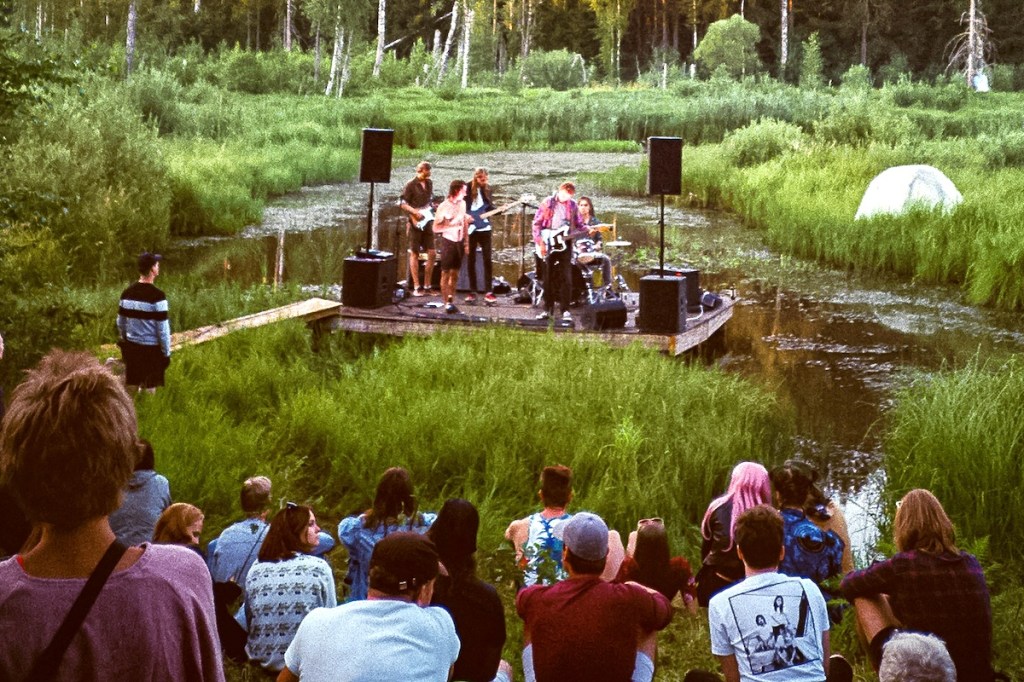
(144, 329)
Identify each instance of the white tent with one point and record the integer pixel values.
(897, 189)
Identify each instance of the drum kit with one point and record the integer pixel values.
(593, 274)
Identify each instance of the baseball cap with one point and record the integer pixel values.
(401, 561)
(586, 536)
(147, 260)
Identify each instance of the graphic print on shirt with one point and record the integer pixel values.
(777, 627)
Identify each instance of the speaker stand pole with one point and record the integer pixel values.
(369, 220)
(661, 225)
(522, 241)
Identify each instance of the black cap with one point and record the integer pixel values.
(401, 561)
(147, 260)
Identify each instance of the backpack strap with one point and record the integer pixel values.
(46, 665)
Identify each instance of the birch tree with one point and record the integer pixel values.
(467, 30)
(783, 38)
(129, 45)
(382, 6)
(612, 20)
(446, 51)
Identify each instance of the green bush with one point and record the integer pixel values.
(556, 69)
(157, 95)
(857, 77)
(103, 169)
(1007, 77)
(261, 72)
(762, 141)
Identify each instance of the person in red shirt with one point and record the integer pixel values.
(584, 628)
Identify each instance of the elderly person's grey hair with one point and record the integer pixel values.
(916, 657)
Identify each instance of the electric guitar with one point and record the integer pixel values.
(480, 220)
(558, 239)
(427, 217)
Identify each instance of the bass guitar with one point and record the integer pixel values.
(480, 218)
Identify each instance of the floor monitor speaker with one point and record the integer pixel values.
(692, 277)
(662, 305)
(665, 167)
(368, 282)
(604, 314)
(375, 161)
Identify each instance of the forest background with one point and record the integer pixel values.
(127, 124)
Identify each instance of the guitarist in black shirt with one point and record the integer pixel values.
(417, 202)
(478, 201)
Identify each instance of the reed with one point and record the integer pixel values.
(961, 435)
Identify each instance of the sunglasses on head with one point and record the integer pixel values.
(657, 520)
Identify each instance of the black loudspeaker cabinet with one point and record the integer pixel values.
(604, 314)
(692, 277)
(463, 282)
(662, 305)
(665, 165)
(368, 282)
(375, 162)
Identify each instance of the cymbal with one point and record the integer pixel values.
(619, 242)
(600, 226)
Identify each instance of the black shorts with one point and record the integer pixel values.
(420, 240)
(451, 254)
(143, 365)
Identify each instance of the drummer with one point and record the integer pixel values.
(586, 208)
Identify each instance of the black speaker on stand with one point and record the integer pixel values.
(369, 277)
(663, 299)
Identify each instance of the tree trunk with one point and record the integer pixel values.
(345, 72)
(316, 56)
(287, 25)
(784, 39)
(864, 41)
(129, 45)
(973, 43)
(443, 66)
(467, 26)
(382, 7)
(339, 40)
(39, 21)
(526, 29)
(196, 6)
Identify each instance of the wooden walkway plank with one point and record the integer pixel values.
(309, 310)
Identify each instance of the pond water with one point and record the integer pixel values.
(832, 344)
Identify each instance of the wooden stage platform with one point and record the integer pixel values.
(425, 315)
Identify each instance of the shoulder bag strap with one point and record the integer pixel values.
(46, 665)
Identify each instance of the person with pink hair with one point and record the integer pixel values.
(749, 486)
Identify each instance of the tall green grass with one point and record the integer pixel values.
(464, 414)
(470, 415)
(961, 435)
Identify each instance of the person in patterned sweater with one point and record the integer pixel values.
(284, 585)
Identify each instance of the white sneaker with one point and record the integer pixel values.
(543, 316)
(566, 316)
